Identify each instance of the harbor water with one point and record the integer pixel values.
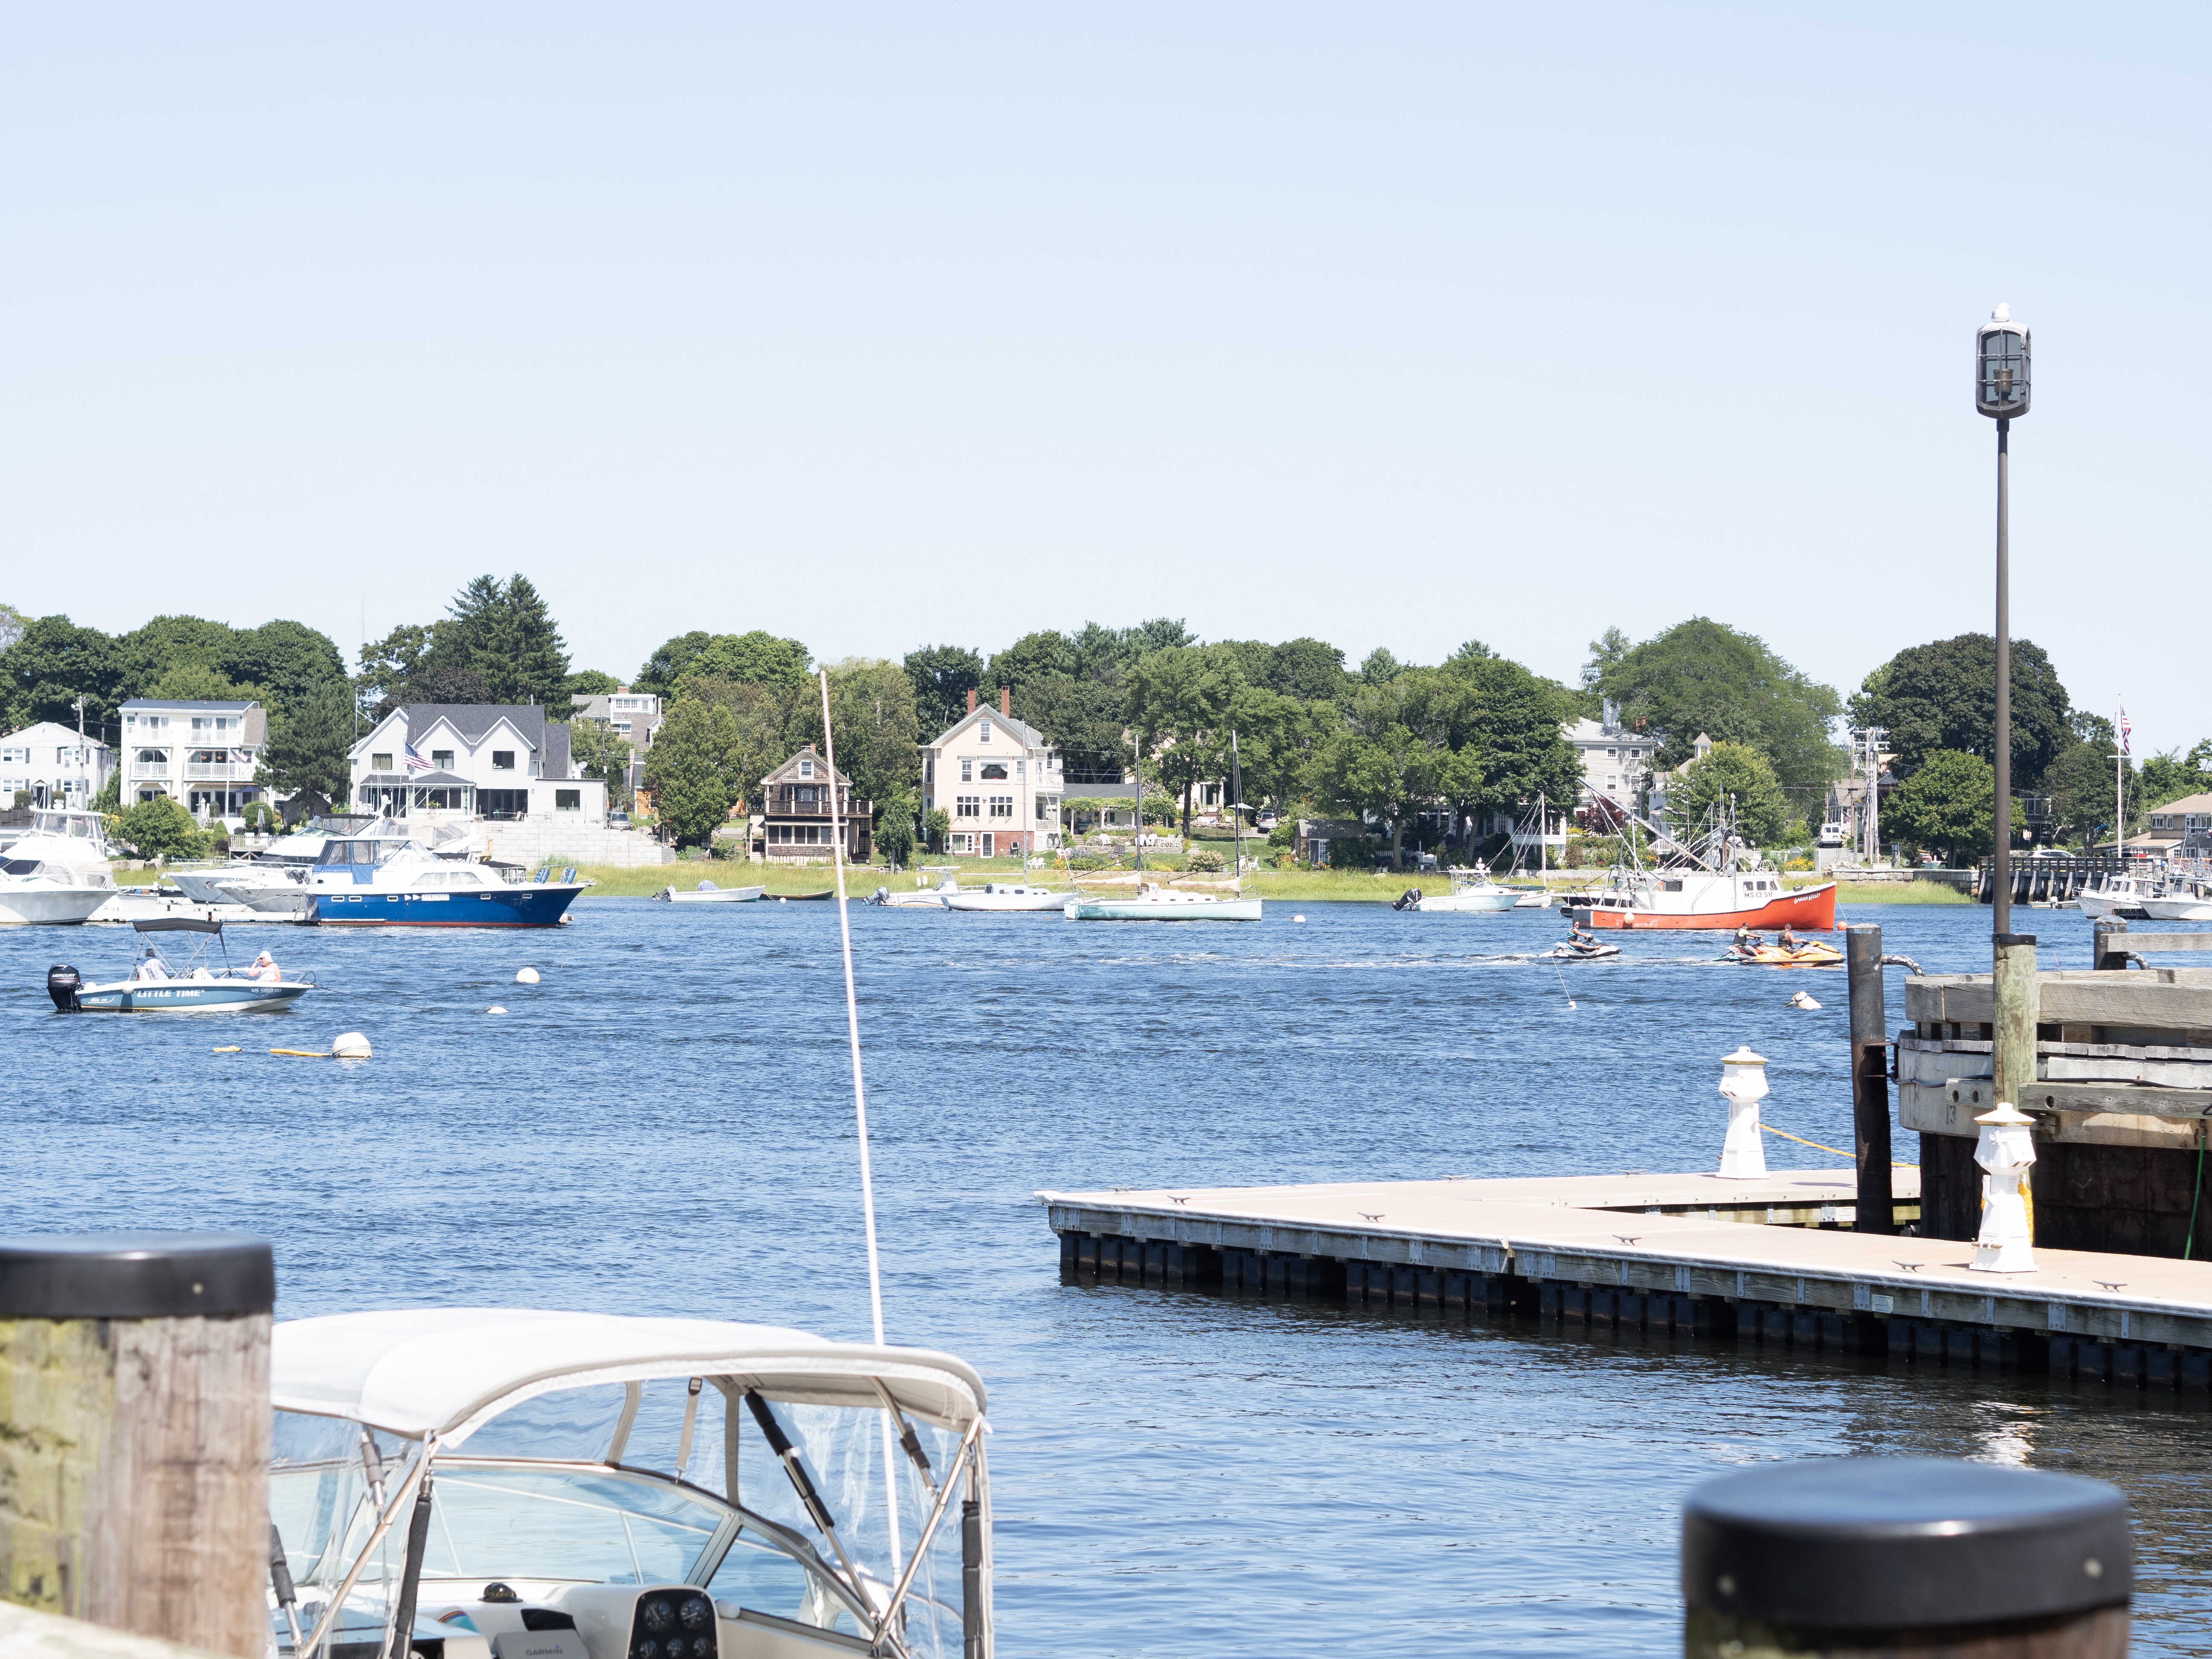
(663, 1124)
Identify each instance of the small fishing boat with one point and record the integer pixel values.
(1156, 903)
(2182, 906)
(546, 1485)
(1007, 895)
(369, 881)
(1474, 892)
(2129, 897)
(920, 898)
(156, 985)
(55, 874)
(1811, 954)
(708, 893)
(1536, 901)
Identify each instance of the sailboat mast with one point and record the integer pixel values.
(1237, 804)
(2119, 799)
(1543, 846)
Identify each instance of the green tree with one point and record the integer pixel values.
(2081, 785)
(696, 770)
(308, 746)
(1502, 726)
(766, 718)
(1737, 770)
(590, 682)
(510, 640)
(54, 662)
(2170, 776)
(1080, 718)
(1181, 703)
(598, 750)
(754, 658)
(872, 703)
(1029, 658)
(195, 682)
(936, 825)
(1310, 670)
(390, 665)
(289, 662)
(1943, 697)
(1948, 805)
(1380, 667)
(1390, 757)
(161, 828)
(12, 624)
(667, 666)
(1701, 676)
(895, 827)
(943, 676)
(165, 644)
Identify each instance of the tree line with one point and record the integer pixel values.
(1409, 747)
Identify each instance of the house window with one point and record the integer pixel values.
(967, 769)
(442, 759)
(568, 801)
(994, 771)
(967, 806)
(987, 849)
(987, 730)
(502, 760)
(929, 769)
(379, 762)
(1002, 806)
(806, 769)
(1045, 807)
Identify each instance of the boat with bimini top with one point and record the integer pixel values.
(574, 1485)
(195, 985)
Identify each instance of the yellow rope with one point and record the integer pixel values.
(1817, 1148)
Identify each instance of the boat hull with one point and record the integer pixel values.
(1810, 908)
(187, 996)
(50, 907)
(1184, 910)
(2124, 906)
(520, 905)
(1009, 902)
(2178, 910)
(1467, 904)
(719, 896)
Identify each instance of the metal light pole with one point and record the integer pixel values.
(2001, 392)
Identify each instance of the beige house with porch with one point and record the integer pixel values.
(998, 781)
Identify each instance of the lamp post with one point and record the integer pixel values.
(2001, 389)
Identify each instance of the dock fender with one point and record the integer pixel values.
(62, 982)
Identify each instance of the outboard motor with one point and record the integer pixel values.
(61, 985)
(1408, 900)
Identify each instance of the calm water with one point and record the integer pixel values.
(663, 1124)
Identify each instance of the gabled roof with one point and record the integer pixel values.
(188, 703)
(473, 720)
(1027, 734)
(2187, 804)
(788, 772)
(50, 732)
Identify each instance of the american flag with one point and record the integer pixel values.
(414, 762)
(2125, 730)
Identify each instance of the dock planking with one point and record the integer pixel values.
(1670, 1253)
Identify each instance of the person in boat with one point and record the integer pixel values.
(265, 969)
(150, 967)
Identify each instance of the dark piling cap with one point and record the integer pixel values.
(2012, 938)
(134, 1275)
(1899, 1543)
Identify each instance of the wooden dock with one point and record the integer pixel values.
(1666, 1253)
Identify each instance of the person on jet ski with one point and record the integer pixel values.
(1579, 940)
(1788, 939)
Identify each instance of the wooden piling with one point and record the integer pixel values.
(134, 1433)
(2014, 1026)
(1877, 1211)
(1869, 1555)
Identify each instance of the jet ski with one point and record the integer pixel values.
(1575, 950)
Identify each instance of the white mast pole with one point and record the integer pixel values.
(860, 1113)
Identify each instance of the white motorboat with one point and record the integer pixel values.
(1007, 896)
(1538, 901)
(708, 893)
(2129, 897)
(1474, 892)
(546, 1485)
(2186, 904)
(384, 881)
(56, 874)
(156, 985)
(1156, 903)
(920, 898)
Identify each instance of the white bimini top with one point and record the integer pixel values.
(448, 1371)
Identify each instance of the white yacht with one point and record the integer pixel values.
(56, 874)
(1156, 903)
(2127, 897)
(1007, 895)
(1474, 892)
(573, 1485)
(2186, 901)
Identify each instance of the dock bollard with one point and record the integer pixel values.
(1743, 1084)
(1858, 1556)
(135, 1432)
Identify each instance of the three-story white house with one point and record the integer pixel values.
(998, 779)
(505, 762)
(203, 753)
(53, 765)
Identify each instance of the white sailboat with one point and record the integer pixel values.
(2129, 897)
(1153, 902)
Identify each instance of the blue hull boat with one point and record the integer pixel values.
(188, 997)
(156, 985)
(504, 905)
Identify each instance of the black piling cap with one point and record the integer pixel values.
(1902, 1543)
(148, 1275)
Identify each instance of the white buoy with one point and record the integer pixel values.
(1803, 1000)
(350, 1045)
(1298, 918)
(1743, 1086)
(495, 1009)
(525, 976)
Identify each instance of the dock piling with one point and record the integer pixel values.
(2015, 998)
(1870, 1079)
(134, 1433)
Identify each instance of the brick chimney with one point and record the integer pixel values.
(1005, 704)
(971, 699)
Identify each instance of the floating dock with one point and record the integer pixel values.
(1686, 1256)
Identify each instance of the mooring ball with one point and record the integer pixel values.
(350, 1045)
(495, 1009)
(1298, 918)
(525, 976)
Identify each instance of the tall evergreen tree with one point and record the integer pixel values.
(510, 641)
(307, 747)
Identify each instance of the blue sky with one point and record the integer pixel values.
(882, 326)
